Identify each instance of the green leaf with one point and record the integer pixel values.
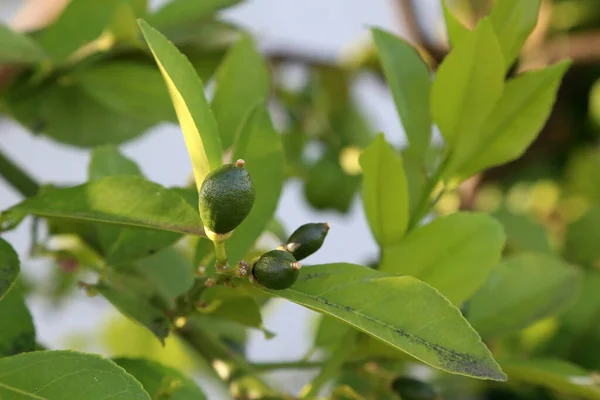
(161, 382)
(516, 120)
(513, 21)
(9, 267)
(260, 146)
(409, 79)
(582, 237)
(456, 30)
(108, 161)
(136, 308)
(242, 81)
(522, 290)
(18, 48)
(384, 192)
(18, 335)
(556, 375)
(187, 93)
(523, 233)
(401, 311)
(81, 22)
(70, 116)
(329, 332)
(117, 200)
(235, 305)
(454, 254)
(130, 88)
(66, 375)
(177, 12)
(468, 84)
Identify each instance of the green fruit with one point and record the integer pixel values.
(226, 197)
(412, 389)
(307, 239)
(276, 269)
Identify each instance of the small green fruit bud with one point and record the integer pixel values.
(412, 389)
(307, 239)
(276, 269)
(226, 198)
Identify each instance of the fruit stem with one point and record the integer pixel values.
(220, 255)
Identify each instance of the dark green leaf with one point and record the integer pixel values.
(161, 382)
(9, 267)
(454, 254)
(66, 375)
(582, 237)
(117, 200)
(176, 12)
(384, 192)
(409, 79)
(17, 333)
(400, 311)
(260, 146)
(18, 48)
(187, 93)
(556, 375)
(242, 81)
(137, 308)
(522, 290)
(129, 88)
(513, 21)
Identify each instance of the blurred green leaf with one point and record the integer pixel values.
(514, 123)
(161, 382)
(17, 48)
(557, 375)
(9, 267)
(123, 25)
(522, 290)
(456, 30)
(108, 161)
(582, 238)
(136, 308)
(260, 146)
(513, 21)
(70, 116)
(117, 200)
(17, 333)
(81, 22)
(409, 79)
(523, 233)
(176, 12)
(242, 81)
(329, 331)
(401, 311)
(454, 254)
(130, 88)
(384, 192)
(66, 375)
(187, 93)
(468, 84)
(235, 305)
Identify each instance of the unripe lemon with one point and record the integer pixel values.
(276, 269)
(307, 239)
(226, 197)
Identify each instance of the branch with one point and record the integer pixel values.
(16, 177)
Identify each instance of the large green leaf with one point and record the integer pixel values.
(456, 30)
(70, 116)
(522, 290)
(177, 12)
(80, 22)
(9, 267)
(515, 121)
(66, 375)
(108, 161)
(187, 93)
(513, 21)
(17, 333)
(556, 375)
(260, 146)
(161, 382)
(384, 192)
(468, 84)
(130, 88)
(400, 311)
(117, 200)
(409, 79)
(242, 80)
(454, 254)
(524, 233)
(18, 48)
(137, 308)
